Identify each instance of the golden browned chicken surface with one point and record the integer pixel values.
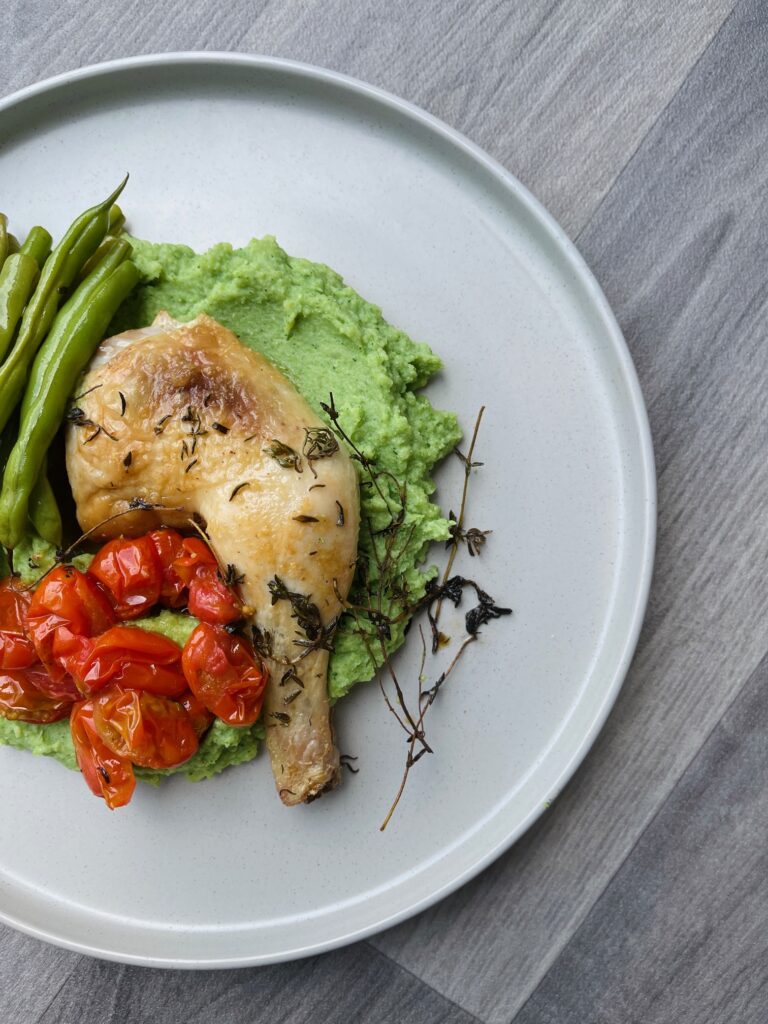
(200, 426)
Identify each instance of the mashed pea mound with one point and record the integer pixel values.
(327, 340)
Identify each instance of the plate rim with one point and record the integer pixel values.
(568, 251)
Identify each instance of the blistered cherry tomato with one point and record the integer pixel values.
(169, 545)
(134, 658)
(150, 731)
(22, 700)
(195, 555)
(210, 599)
(197, 711)
(222, 671)
(130, 570)
(14, 601)
(69, 599)
(16, 650)
(107, 775)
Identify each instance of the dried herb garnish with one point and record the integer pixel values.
(104, 774)
(220, 428)
(306, 613)
(76, 398)
(128, 460)
(319, 443)
(122, 403)
(194, 462)
(261, 641)
(306, 519)
(291, 675)
(340, 517)
(284, 455)
(345, 762)
(160, 425)
(312, 488)
(237, 490)
(231, 577)
(77, 417)
(281, 717)
(291, 697)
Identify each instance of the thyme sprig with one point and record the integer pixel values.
(385, 603)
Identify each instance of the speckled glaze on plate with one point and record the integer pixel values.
(458, 254)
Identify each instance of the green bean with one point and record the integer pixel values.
(116, 246)
(3, 238)
(44, 511)
(37, 244)
(17, 282)
(80, 241)
(112, 257)
(116, 220)
(79, 328)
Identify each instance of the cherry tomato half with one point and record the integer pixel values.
(151, 731)
(169, 545)
(22, 700)
(67, 608)
(107, 775)
(223, 673)
(135, 658)
(130, 570)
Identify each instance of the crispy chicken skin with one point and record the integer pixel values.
(198, 409)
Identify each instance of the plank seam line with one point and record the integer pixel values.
(421, 982)
(656, 120)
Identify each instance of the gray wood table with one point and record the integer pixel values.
(643, 894)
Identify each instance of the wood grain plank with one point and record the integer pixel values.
(561, 93)
(681, 933)
(31, 976)
(563, 96)
(679, 245)
(355, 984)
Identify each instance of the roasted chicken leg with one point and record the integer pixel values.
(193, 423)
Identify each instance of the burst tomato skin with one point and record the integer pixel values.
(134, 658)
(107, 775)
(198, 712)
(14, 601)
(148, 730)
(67, 603)
(223, 673)
(169, 545)
(195, 556)
(210, 599)
(16, 649)
(22, 700)
(130, 571)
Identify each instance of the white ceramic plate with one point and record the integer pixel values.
(417, 219)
